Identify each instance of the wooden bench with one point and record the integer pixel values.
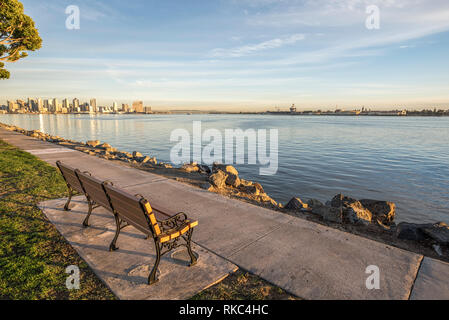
(94, 192)
(72, 181)
(166, 230)
(169, 231)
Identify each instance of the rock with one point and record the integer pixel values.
(384, 211)
(438, 232)
(328, 213)
(251, 190)
(410, 231)
(259, 187)
(233, 180)
(218, 179)
(246, 183)
(104, 146)
(91, 143)
(296, 204)
(190, 167)
(207, 186)
(312, 203)
(340, 200)
(265, 198)
(137, 155)
(204, 169)
(145, 159)
(225, 168)
(356, 213)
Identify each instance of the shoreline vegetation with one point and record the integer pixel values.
(369, 218)
(34, 256)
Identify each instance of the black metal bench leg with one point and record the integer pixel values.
(193, 258)
(113, 247)
(152, 279)
(66, 207)
(86, 221)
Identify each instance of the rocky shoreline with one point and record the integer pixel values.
(366, 217)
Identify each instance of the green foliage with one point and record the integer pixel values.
(33, 255)
(17, 34)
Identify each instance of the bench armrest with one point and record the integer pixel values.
(174, 222)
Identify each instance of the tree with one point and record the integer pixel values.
(17, 34)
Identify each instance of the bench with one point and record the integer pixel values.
(169, 231)
(165, 229)
(72, 181)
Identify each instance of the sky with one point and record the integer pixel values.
(242, 55)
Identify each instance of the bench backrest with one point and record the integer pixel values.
(93, 188)
(134, 210)
(69, 175)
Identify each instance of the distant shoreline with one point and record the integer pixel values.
(280, 113)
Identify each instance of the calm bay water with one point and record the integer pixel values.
(404, 160)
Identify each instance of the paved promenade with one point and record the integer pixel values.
(307, 259)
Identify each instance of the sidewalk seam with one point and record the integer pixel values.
(416, 277)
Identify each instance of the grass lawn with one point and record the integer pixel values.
(34, 256)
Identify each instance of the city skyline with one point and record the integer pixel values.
(247, 55)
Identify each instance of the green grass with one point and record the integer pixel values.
(33, 255)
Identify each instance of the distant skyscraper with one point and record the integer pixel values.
(138, 106)
(93, 104)
(40, 105)
(65, 103)
(76, 104)
(125, 107)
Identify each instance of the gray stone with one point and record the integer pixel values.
(233, 180)
(439, 232)
(207, 186)
(218, 179)
(384, 211)
(355, 213)
(224, 168)
(314, 203)
(137, 155)
(340, 201)
(91, 143)
(328, 213)
(295, 204)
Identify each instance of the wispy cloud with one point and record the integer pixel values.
(254, 48)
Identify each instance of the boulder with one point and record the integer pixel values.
(312, 203)
(410, 231)
(384, 211)
(328, 213)
(295, 204)
(190, 168)
(340, 201)
(246, 183)
(204, 169)
(91, 143)
(438, 232)
(137, 155)
(356, 213)
(233, 180)
(207, 186)
(104, 146)
(259, 187)
(145, 159)
(251, 189)
(225, 168)
(218, 179)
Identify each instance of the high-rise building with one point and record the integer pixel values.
(125, 107)
(115, 107)
(40, 105)
(76, 104)
(138, 106)
(93, 104)
(65, 103)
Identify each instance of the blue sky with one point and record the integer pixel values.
(239, 54)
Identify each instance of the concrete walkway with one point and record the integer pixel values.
(307, 259)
